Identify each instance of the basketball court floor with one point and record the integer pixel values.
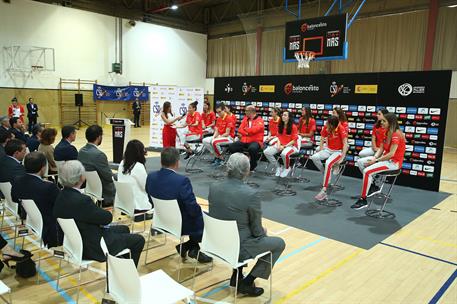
(416, 264)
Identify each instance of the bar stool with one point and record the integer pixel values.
(332, 202)
(218, 173)
(381, 213)
(286, 189)
(195, 157)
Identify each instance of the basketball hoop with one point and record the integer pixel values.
(303, 58)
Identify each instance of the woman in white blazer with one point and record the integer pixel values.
(132, 170)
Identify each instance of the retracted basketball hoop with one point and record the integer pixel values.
(303, 58)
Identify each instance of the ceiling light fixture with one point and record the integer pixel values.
(452, 6)
(174, 7)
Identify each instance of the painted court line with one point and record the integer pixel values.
(319, 277)
(443, 288)
(418, 253)
(281, 231)
(280, 260)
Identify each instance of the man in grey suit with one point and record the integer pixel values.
(232, 199)
(94, 159)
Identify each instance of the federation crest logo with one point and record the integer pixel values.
(288, 88)
(183, 109)
(119, 93)
(137, 93)
(335, 89)
(156, 109)
(100, 92)
(405, 89)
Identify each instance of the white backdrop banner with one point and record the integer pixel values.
(180, 98)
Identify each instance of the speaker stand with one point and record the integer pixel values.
(79, 122)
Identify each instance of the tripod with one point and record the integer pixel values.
(80, 121)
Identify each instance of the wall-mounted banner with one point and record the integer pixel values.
(180, 98)
(127, 93)
(419, 99)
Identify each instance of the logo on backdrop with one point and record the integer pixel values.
(228, 88)
(100, 92)
(407, 89)
(245, 88)
(183, 109)
(156, 108)
(137, 93)
(289, 88)
(119, 93)
(335, 89)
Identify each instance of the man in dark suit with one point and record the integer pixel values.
(34, 141)
(10, 164)
(231, 199)
(65, 150)
(166, 184)
(92, 221)
(32, 113)
(136, 107)
(4, 124)
(17, 128)
(4, 138)
(42, 192)
(95, 160)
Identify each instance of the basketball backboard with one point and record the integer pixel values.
(325, 36)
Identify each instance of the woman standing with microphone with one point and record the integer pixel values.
(169, 130)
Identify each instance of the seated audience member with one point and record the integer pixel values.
(18, 129)
(94, 159)
(335, 137)
(208, 119)
(65, 150)
(8, 253)
(166, 184)
(244, 206)
(306, 128)
(273, 124)
(287, 144)
(342, 118)
(232, 116)
(34, 141)
(10, 164)
(4, 124)
(194, 124)
(223, 134)
(43, 193)
(377, 137)
(48, 137)
(132, 170)
(388, 157)
(92, 221)
(251, 132)
(4, 138)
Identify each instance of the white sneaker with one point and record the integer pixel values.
(278, 171)
(285, 172)
(321, 196)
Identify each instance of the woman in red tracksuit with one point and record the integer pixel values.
(388, 157)
(273, 124)
(335, 138)
(208, 119)
(194, 124)
(287, 144)
(169, 130)
(306, 128)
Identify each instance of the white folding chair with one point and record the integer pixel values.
(124, 202)
(221, 240)
(126, 286)
(3, 290)
(94, 186)
(34, 222)
(168, 220)
(9, 205)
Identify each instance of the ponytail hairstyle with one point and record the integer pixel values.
(384, 112)
(341, 115)
(277, 110)
(289, 124)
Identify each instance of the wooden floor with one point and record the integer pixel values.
(411, 266)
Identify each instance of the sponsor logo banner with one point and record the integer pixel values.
(366, 89)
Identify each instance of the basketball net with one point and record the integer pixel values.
(303, 58)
